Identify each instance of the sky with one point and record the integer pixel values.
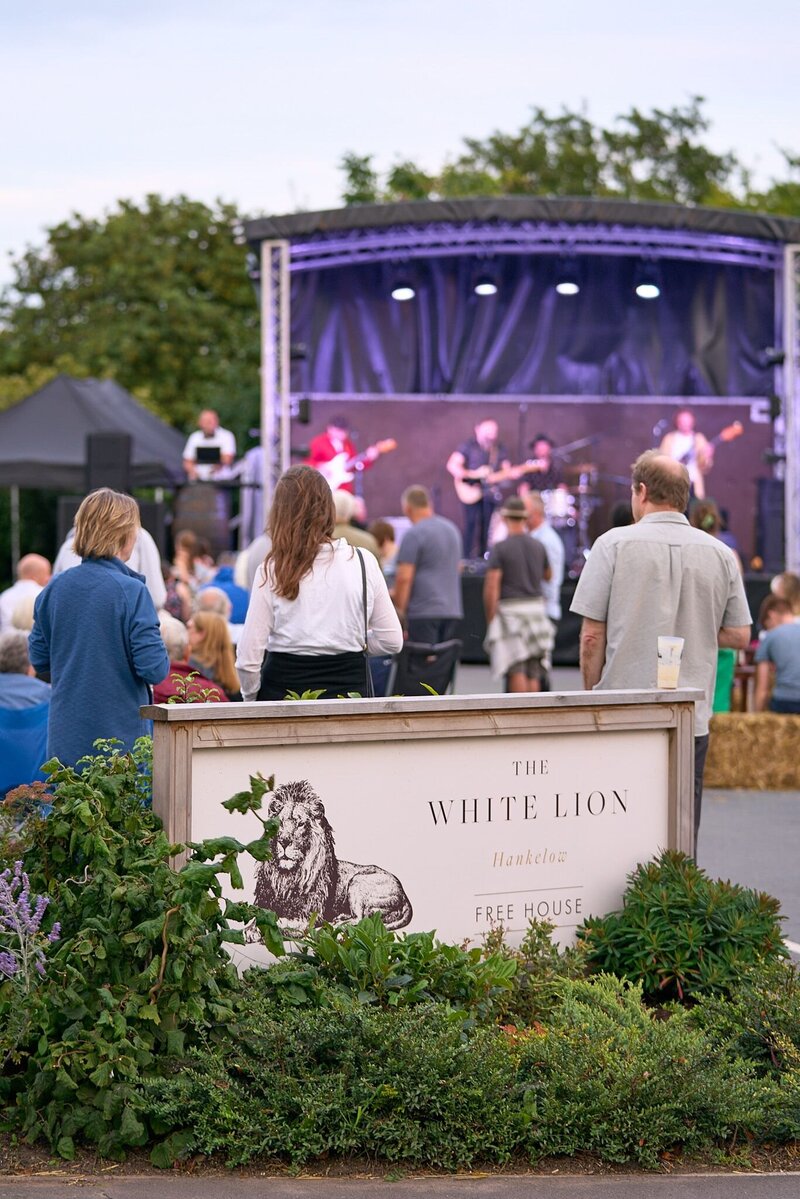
(255, 101)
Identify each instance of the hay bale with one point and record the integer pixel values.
(757, 751)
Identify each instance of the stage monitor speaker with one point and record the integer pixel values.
(154, 519)
(770, 526)
(67, 507)
(108, 461)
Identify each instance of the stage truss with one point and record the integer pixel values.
(791, 402)
(275, 354)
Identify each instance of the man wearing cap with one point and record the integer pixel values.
(335, 447)
(519, 635)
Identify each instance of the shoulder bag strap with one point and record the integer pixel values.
(369, 690)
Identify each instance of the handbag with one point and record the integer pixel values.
(369, 690)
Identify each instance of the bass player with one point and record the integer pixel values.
(473, 466)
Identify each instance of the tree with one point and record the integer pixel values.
(657, 156)
(156, 297)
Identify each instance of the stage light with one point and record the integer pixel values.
(403, 291)
(485, 286)
(567, 276)
(648, 281)
(648, 290)
(567, 287)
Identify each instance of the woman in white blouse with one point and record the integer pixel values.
(305, 624)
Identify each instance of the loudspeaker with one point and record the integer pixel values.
(108, 461)
(68, 505)
(770, 527)
(154, 519)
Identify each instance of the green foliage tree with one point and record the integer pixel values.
(658, 156)
(154, 295)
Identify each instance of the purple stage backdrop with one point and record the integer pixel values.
(704, 336)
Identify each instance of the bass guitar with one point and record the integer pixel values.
(342, 469)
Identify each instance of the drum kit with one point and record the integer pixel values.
(569, 509)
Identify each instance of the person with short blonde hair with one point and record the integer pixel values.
(104, 523)
(96, 635)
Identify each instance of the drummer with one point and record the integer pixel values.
(543, 473)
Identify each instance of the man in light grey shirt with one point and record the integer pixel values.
(659, 576)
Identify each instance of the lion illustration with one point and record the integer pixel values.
(305, 876)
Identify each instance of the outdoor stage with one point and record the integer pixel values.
(590, 320)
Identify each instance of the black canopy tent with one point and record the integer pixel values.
(43, 437)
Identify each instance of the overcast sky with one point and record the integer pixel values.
(255, 101)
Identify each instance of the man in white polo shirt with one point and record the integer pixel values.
(210, 451)
(659, 576)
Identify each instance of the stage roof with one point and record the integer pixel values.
(570, 209)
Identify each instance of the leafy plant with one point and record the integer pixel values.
(141, 971)
(394, 970)
(683, 934)
(189, 691)
(540, 969)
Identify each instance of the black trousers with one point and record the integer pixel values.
(700, 752)
(432, 630)
(476, 526)
(334, 674)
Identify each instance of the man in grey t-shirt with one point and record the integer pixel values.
(659, 576)
(427, 590)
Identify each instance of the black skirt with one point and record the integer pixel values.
(334, 674)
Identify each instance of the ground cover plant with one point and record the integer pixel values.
(128, 1027)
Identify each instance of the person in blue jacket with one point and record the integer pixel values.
(96, 635)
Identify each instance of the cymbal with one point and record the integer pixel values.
(581, 468)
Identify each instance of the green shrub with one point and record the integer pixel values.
(402, 1085)
(760, 1024)
(140, 971)
(682, 934)
(760, 1020)
(609, 1078)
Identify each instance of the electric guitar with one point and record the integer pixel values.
(729, 433)
(474, 486)
(342, 469)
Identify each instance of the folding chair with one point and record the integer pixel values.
(418, 663)
(23, 745)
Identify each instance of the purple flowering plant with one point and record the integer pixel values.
(23, 944)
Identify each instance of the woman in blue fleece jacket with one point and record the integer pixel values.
(96, 634)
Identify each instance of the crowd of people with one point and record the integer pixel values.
(319, 601)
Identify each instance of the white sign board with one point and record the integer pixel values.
(460, 828)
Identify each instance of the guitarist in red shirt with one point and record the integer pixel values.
(334, 455)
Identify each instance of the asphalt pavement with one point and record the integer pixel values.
(518, 1186)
